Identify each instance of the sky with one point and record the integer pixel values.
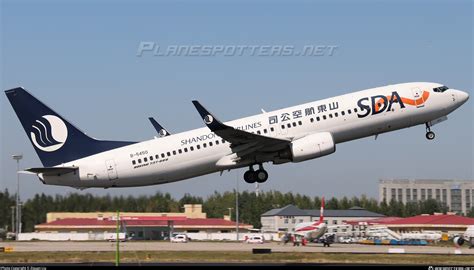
(80, 58)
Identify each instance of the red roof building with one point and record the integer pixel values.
(142, 228)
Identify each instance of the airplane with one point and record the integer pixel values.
(312, 230)
(293, 134)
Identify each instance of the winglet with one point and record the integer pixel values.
(209, 119)
(160, 129)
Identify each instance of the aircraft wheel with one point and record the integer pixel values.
(261, 175)
(430, 135)
(250, 177)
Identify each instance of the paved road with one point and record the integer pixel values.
(219, 246)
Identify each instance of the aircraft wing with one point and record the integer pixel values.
(241, 141)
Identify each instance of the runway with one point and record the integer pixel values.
(45, 246)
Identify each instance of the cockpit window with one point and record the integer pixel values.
(440, 89)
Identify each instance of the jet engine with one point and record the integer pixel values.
(309, 147)
(458, 241)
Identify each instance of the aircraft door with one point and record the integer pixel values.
(418, 97)
(111, 169)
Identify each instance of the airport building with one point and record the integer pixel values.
(457, 195)
(285, 219)
(138, 226)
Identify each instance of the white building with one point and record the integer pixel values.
(457, 195)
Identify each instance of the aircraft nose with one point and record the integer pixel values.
(462, 96)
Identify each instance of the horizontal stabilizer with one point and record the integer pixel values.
(53, 170)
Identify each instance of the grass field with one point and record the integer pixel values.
(232, 257)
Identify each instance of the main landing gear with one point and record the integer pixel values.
(429, 134)
(259, 176)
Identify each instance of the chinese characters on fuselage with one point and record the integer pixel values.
(296, 114)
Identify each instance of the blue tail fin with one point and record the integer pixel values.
(55, 140)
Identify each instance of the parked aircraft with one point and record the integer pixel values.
(312, 230)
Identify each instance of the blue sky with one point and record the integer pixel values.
(79, 57)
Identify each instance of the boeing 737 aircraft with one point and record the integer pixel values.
(294, 134)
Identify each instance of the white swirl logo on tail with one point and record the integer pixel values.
(163, 132)
(208, 119)
(48, 133)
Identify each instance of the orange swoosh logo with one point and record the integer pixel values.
(409, 101)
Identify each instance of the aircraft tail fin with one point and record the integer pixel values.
(321, 213)
(55, 139)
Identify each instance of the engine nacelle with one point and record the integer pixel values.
(458, 241)
(312, 146)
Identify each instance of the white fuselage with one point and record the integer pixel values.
(138, 165)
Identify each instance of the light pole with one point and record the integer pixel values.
(13, 219)
(18, 217)
(237, 207)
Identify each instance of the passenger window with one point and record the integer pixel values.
(157, 156)
(145, 159)
(294, 124)
(282, 126)
(168, 154)
(317, 118)
(349, 111)
(223, 141)
(134, 162)
(265, 130)
(139, 161)
(343, 113)
(336, 115)
(330, 115)
(299, 123)
(324, 117)
(272, 129)
(210, 143)
(355, 110)
(185, 149)
(174, 152)
(217, 142)
(311, 120)
(258, 132)
(180, 151)
(163, 155)
(204, 144)
(151, 158)
(198, 147)
(288, 125)
(191, 148)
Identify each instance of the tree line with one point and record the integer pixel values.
(216, 205)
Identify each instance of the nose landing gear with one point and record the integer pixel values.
(259, 176)
(430, 135)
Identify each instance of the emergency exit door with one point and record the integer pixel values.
(418, 97)
(111, 169)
